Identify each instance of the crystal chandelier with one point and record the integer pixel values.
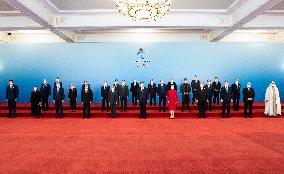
(144, 10)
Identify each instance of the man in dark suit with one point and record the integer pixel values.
(236, 91)
(170, 83)
(123, 94)
(134, 89)
(104, 95)
(185, 90)
(152, 92)
(35, 101)
(226, 97)
(58, 99)
(117, 86)
(112, 98)
(12, 93)
(72, 95)
(248, 97)
(195, 84)
(57, 80)
(202, 99)
(45, 91)
(87, 99)
(162, 93)
(216, 88)
(210, 92)
(143, 98)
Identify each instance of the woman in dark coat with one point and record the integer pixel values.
(35, 101)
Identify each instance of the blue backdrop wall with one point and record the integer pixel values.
(28, 64)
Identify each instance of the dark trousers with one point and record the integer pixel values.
(35, 109)
(164, 101)
(73, 104)
(44, 103)
(143, 108)
(86, 110)
(134, 98)
(210, 99)
(236, 103)
(216, 97)
(105, 103)
(123, 103)
(117, 99)
(153, 97)
(113, 110)
(226, 106)
(59, 108)
(193, 96)
(248, 105)
(202, 106)
(12, 107)
(185, 102)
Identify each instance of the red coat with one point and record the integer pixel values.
(173, 99)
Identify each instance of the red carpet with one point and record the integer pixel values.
(161, 145)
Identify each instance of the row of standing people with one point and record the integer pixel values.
(203, 95)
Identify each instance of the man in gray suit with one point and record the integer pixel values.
(123, 94)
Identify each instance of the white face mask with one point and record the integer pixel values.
(123, 83)
(216, 80)
(45, 82)
(226, 84)
(248, 86)
(134, 81)
(237, 82)
(209, 83)
(172, 81)
(172, 87)
(35, 89)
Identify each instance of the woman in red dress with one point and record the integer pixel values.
(173, 101)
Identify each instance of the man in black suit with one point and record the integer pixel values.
(170, 83)
(116, 85)
(236, 91)
(112, 98)
(248, 97)
(202, 99)
(58, 99)
(185, 90)
(35, 101)
(45, 91)
(12, 93)
(123, 94)
(72, 95)
(162, 93)
(216, 88)
(134, 89)
(104, 95)
(57, 80)
(210, 92)
(226, 97)
(142, 98)
(152, 92)
(87, 99)
(195, 84)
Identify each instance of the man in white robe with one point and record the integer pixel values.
(272, 101)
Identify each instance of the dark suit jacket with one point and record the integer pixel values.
(112, 96)
(216, 86)
(226, 96)
(12, 93)
(134, 88)
(143, 95)
(105, 91)
(182, 88)
(210, 91)
(58, 95)
(236, 90)
(152, 89)
(248, 94)
(195, 85)
(123, 91)
(45, 90)
(201, 94)
(87, 97)
(72, 94)
(162, 91)
(35, 97)
(169, 86)
(117, 89)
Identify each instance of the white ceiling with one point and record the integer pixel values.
(110, 4)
